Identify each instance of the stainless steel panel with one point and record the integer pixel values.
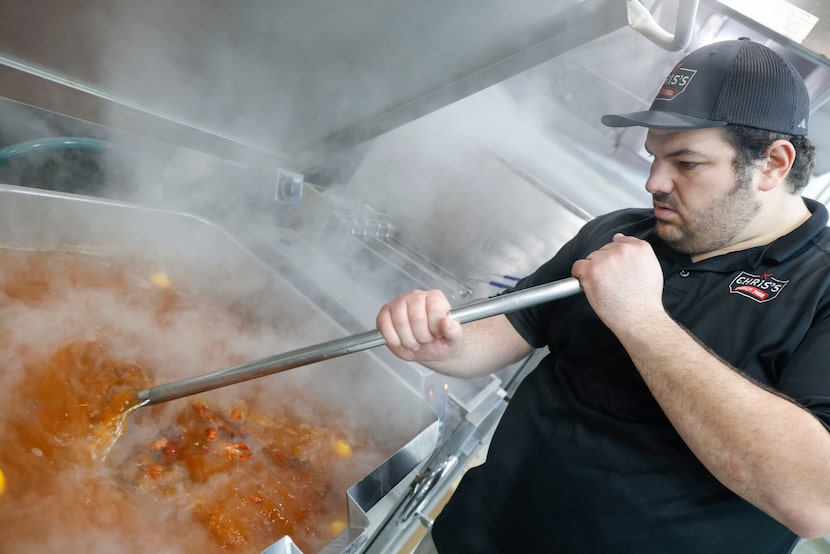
(288, 82)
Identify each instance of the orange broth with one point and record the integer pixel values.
(193, 475)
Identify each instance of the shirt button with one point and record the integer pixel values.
(684, 273)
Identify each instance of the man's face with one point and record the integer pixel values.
(701, 205)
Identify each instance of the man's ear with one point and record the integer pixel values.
(777, 163)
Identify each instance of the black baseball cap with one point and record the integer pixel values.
(739, 82)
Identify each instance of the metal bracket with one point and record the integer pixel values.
(289, 187)
(423, 485)
(641, 20)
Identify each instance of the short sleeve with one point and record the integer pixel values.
(533, 323)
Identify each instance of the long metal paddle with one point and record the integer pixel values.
(482, 309)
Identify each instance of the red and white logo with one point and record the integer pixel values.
(676, 83)
(761, 288)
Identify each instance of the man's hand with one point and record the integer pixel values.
(622, 281)
(416, 327)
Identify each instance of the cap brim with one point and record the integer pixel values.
(659, 120)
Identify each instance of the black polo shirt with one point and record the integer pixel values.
(584, 460)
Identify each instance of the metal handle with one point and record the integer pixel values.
(424, 484)
(503, 304)
(641, 20)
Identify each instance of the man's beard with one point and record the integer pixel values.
(713, 227)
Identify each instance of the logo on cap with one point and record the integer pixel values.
(761, 288)
(676, 83)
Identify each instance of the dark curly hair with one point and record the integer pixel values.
(750, 144)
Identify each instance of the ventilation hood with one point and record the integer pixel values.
(288, 82)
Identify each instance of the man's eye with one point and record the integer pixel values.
(687, 165)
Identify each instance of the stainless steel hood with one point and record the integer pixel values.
(283, 83)
(803, 24)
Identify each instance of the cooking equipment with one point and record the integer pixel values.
(398, 419)
(355, 343)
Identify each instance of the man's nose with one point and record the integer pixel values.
(659, 179)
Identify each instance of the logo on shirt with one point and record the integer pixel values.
(761, 288)
(675, 83)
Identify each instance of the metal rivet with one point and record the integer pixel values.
(684, 273)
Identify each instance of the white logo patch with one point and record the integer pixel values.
(761, 288)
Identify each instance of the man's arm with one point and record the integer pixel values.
(762, 446)
(417, 329)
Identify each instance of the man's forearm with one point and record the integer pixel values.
(488, 345)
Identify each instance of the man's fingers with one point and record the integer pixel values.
(414, 319)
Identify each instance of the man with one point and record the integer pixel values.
(685, 402)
